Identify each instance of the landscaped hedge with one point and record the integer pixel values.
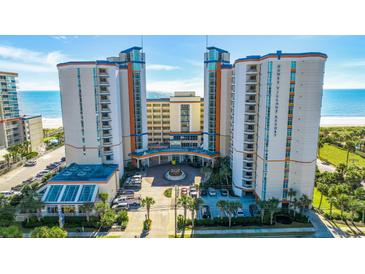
(70, 221)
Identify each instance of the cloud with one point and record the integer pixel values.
(159, 67)
(19, 59)
(343, 81)
(39, 85)
(195, 63)
(192, 84)
(355, 63)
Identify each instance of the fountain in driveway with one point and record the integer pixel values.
(175, 174)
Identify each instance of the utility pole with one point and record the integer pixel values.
(176, 193)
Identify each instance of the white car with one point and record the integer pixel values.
(137, 177)
(212, 192)
(120, 199)
(121, 206)
(240, 213)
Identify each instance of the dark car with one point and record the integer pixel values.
(254, 210)
(63, 159)
(206, 212)
(203, 192)
(224, 192)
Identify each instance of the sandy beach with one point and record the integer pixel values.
(325, 122)
(52, 122)
(342, 121)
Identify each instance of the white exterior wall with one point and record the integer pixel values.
(226, 100)
(306, 118)
(71, 116)
(206, 107)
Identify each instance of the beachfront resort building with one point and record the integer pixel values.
(104, 108)
(262, 111)
(276, 106)
(15, 129)
(176, 121)
(217, 101)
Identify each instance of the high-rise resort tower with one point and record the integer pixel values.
(217, 101)
(11, 128)
(104, 108)
(276, 106)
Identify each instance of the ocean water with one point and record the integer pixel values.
(46, 103)
(343, 103)
(335, 102)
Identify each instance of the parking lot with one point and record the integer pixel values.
(162, 212)
(215, 212)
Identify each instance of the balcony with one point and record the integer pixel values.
(106, 110)
(105, 101)
(107, 135)
(250, 102)
(108, 152)
(105, 119)
(249, 140)
(104, 92)
(103, 83)
(106, 127)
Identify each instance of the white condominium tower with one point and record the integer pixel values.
(104, 108)
(276, 105)
(217, 101)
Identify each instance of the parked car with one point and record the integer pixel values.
(193, 192)
(63, 159)
(127, 192)
(137, 177)
(184, 191)
(224, 192)
(203, 192)
(120, 206)
(254, 210)
(6, 193)
(240, 213)
(119, 200)
(206, 212)
(134, 204)
(212, 192)
(30, 163)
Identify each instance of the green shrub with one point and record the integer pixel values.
(31, 222)
(11, 232)
(46, 232)
(180, 222)
(168, 192)
(122, 218)
(7, 215)
(147, 224)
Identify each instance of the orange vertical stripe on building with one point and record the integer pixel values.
(131, 108)
(218, 108)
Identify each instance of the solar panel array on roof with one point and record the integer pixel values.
(86, 193)
(53, 193)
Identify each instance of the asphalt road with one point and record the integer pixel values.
(20, 174)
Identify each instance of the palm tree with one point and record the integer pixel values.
(296, 204)
(332, 200)
(305, 202)
(207, 172)
(263, 206)
(87, 208)
(7, 159)
(30, 203)
(194, 206)
(272, 206)
(323, 189)
(225, 172)
(231, 210)
(291, 194)
(353, 205)
(342, 202)
(320, 145)
(184, 201)
(350, 147)
(362, 208)
(221, 205)
(147, 202)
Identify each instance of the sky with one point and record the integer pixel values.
(174, 62)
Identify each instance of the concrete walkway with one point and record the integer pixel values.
(323, 168)
(255, 231)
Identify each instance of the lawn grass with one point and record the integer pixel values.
(335, 156)
(325, 207)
